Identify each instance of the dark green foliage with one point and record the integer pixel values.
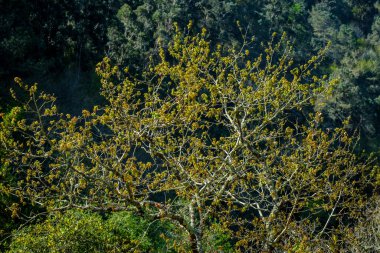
(324, 23)
(40, 40)
(358, 92)
(142, 24)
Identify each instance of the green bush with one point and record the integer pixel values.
(79, 231)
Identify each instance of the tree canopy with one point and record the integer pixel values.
(58, 43)
(202, 137)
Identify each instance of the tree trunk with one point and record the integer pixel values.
(194, 243)
(195, 235)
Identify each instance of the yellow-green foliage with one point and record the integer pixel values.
(203, 136)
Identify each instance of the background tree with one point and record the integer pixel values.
(357, 94)
(54, 41)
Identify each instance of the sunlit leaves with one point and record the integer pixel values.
(203, 136)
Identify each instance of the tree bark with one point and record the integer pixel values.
(195, 235)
